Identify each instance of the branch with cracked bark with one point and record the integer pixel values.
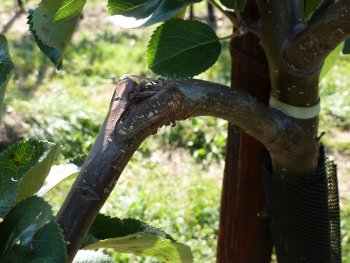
(138, 108)
(325, 32)
(307, 45)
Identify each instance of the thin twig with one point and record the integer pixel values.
(234, 19)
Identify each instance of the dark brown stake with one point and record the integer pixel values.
(244, 236)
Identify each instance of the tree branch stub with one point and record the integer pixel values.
(138, 108)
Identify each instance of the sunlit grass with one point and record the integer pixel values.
(336, 95)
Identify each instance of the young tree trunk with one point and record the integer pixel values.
(244, 234)
(288, 129)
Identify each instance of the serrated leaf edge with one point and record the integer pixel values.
(159, 27)
(41, 158)
(41, 43)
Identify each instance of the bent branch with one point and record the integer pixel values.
(138, 108)
(320, 37)
(179, 99)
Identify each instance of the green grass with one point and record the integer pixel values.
(68, 106)
(335, 120)
(73, 102)
(184, 204)
(183, 200)
(336, 95)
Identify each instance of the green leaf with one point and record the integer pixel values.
(310, 7)
(6, 68)
(137, 237)
(240, 5)
(346, 49)
(34, 178)
(235, 4)
(24, 167)
(182, 13)
(182, 48)
(228, 3)
(134, 8)
(52, 53)
(55, 179)
(79, 159)
(53, 24)
(30, 234)
(86, 256)
(153, 11)
(331, 59)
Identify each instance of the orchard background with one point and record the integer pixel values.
(67, 107)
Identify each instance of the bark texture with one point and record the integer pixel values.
(138, 108)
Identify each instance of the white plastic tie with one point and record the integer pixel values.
(294, 111)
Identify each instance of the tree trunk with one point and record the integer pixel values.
(211, 19)
(244, 234)
(288, 130)
(20, 4)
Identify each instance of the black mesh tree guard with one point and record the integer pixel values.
(304, 214)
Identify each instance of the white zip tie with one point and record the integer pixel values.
(294, 111)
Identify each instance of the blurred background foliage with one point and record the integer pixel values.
(174, 180)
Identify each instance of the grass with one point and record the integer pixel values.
(335, 87)
(335, 121)
(176, 187)
(185, 203)
(71, 104)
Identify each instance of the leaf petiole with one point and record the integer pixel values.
(229, 15)
(233, 35)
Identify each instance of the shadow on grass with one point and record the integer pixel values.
(31, 66)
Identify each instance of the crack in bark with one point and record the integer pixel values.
(131, 121)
